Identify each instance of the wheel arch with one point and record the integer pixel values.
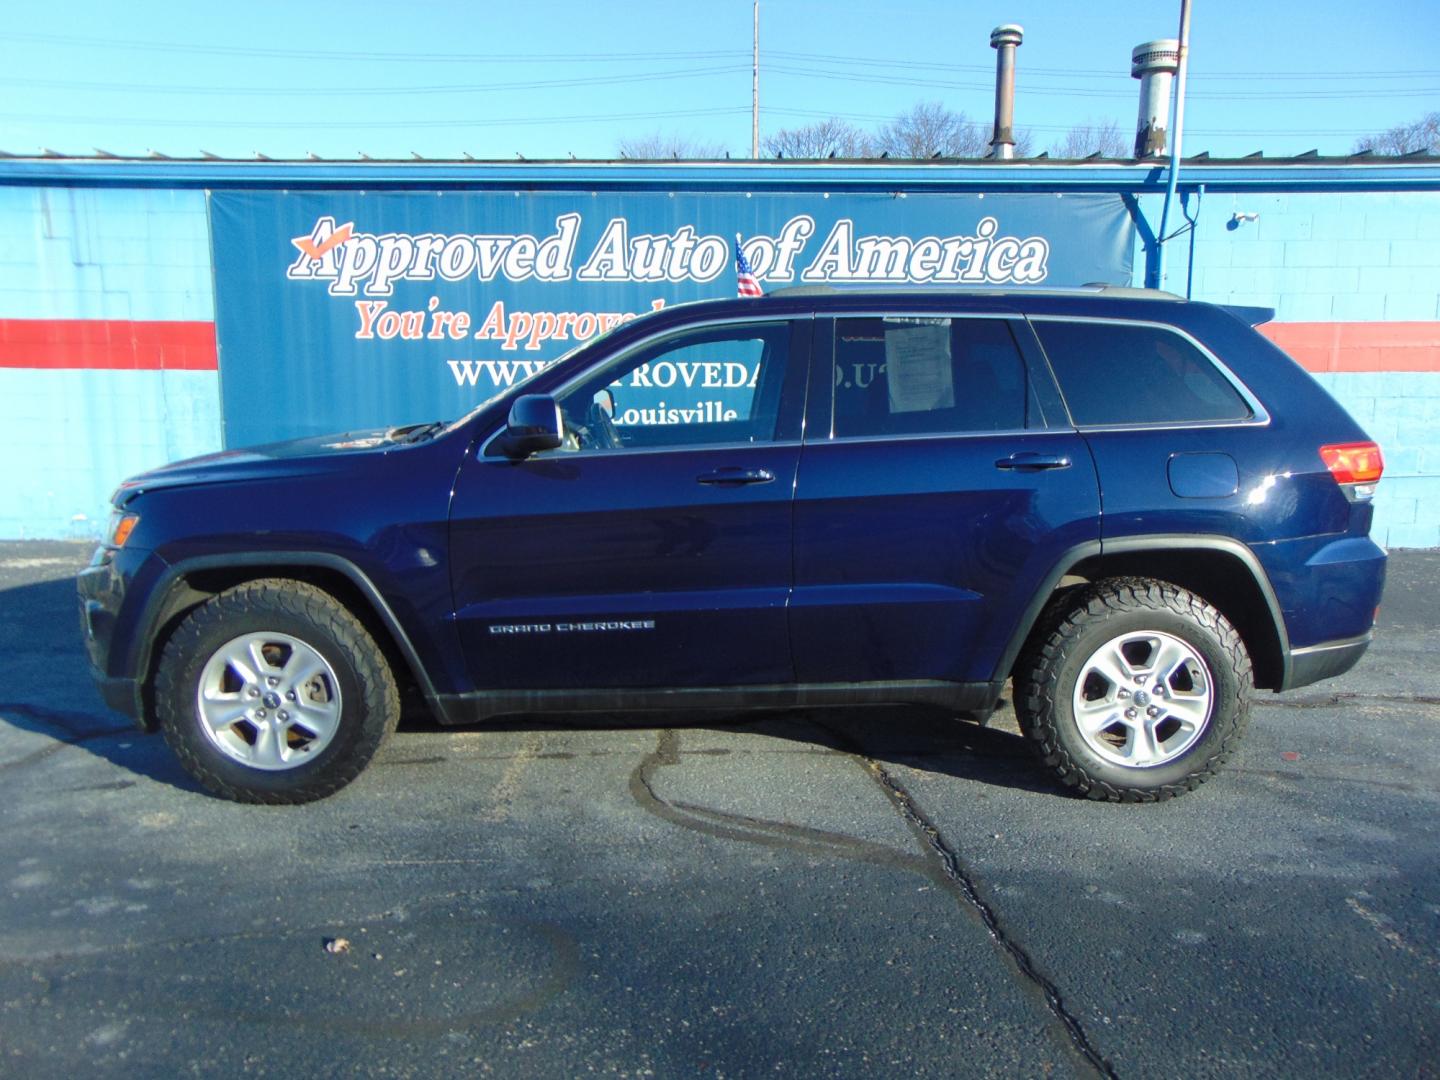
(187, 584)
(1224, 572)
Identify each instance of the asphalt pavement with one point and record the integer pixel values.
(882, 892)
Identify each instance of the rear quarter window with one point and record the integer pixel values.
(1113, 374)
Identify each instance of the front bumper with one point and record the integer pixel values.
(101, 590)
(121, 695)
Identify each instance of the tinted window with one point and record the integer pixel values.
(1114, 374)
(714, 385)
(901, 376)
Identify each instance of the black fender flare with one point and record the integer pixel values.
(1127, 545)
(175, 576)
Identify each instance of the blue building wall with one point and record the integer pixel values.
(1338, 260)
(68, 436)
(1332, 258)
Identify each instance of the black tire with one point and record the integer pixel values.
(1072, 639)
(365, 708)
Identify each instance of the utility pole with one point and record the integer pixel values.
(1177, 133)
(755, 91)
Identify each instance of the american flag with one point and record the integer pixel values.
(745, 283)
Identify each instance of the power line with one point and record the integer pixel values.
(831, 74)
(370, 57)
(1242, 132)
(369, 91)
(470, 122)
(320, 126)
(1099, 73)
(679, 73)
(507, 57)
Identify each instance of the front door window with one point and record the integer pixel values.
(710, 387)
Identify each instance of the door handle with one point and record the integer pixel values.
(735, 477)
(1028, 461)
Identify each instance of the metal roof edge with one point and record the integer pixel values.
(1115, 176)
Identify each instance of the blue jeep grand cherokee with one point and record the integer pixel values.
(1134, 507)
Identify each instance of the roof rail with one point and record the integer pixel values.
(1133, 291)
(804, 290)
(1104, 288)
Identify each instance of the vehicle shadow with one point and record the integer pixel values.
(47, 699)
(925, 739)
(45, 689)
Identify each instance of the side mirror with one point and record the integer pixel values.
(534, 425)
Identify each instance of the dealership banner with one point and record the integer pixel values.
(344, 310)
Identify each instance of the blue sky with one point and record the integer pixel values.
(548, 78)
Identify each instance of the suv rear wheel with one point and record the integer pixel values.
(1134, 690)
(273, 692)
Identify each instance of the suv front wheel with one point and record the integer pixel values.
(273, 692)
(1134, 690)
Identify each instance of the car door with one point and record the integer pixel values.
(653, 549)
(938, 485)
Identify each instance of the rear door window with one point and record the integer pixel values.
(913, 376)
(1113, 374)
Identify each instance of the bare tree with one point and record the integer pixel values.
(928, 130)
(827, 138)
(1096, 137)
(1423, 134)
(668, 146)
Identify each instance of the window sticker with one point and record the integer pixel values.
(918, 368)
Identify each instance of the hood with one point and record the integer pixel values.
(294, 457)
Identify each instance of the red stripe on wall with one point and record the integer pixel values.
(1359, 346)
(115, 344)
(119, 344)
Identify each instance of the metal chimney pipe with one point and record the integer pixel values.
(1154, 63)
(1005, 40)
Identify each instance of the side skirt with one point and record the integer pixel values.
(485, 705)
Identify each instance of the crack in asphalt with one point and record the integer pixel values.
(939, 863)
(1346, 698)
(68, 722)
(962, 882)
(776, 834)
(1336, 778)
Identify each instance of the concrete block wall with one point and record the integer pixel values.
(107, 353)
(1354, 278)
(107, 349)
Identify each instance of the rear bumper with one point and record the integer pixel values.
(1329, 591)
(1325, 661)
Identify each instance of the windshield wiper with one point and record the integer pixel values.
(415, 432)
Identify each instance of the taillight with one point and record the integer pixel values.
(1353, 463)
